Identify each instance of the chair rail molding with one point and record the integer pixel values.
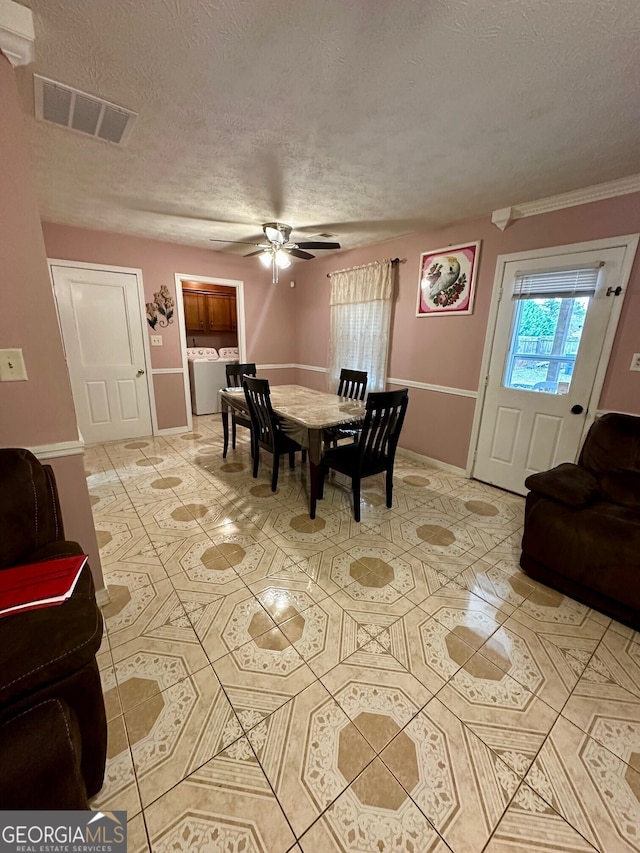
(428, 386)
(278, 366)
(17, 35)
(409, 383)
(610, 189)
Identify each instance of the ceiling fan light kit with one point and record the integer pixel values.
(282, 260)
(275, 252)
(275, 258)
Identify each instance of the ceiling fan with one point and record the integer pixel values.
(273, 253)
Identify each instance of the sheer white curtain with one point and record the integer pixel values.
(360, 322)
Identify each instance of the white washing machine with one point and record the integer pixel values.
(207, 375)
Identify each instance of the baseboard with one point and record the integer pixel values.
(173, 430)
(61, 448)
(600, 412)
(434, 463)
(102, 597)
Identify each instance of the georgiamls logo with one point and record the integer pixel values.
(63, 831)
(104, 828)
(110, 815)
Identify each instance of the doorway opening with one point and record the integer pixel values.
(212, 335)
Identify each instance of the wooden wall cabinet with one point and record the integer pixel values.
(221, 313)
(195, 311)
(209, 312)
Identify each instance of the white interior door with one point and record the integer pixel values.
(102, 329)
(553, 317)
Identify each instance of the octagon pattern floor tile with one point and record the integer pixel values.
(275, 684)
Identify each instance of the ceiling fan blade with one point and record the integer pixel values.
(136, 205)
(311, 244)
(242, 242)
(402, 226)
(297, 253)
(257, 251)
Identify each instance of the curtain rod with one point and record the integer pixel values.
(394, 261)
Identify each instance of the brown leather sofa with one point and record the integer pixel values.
(582, 522)
(53, 732)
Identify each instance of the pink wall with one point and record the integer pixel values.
(168, 390)
(286, 376)
(215, 340)
(39, 411)
(269, 310)
(292, 326)
(75, 503)
(448, 350)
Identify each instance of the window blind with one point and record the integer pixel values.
(559, 283)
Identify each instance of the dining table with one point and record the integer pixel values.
(305, 415)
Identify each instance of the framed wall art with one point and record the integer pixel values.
(447, 280)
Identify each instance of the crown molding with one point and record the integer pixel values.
(503, 217)
(622, 186)
(17, 35)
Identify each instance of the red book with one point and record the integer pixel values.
(39, 584)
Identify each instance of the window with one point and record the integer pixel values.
(549, 313)
(360, 321)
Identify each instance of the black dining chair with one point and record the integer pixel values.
(235, 372)
(266, 430)
(352, 384)
(375, 449)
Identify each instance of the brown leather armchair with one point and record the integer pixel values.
(52, 716)
(582, 522)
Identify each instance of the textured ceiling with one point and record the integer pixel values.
(366, 119)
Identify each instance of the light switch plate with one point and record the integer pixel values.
(12, 367)
(156, 340)
(635, 361)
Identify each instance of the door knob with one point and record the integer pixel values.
(140, 372)
(577, 409)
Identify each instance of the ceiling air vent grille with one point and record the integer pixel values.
(78, 111)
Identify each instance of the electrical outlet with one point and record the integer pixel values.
(156, 340)
(12, 368)
(635, 361)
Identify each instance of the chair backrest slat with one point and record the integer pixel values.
(383, 421)
(235, 372)
(258, 397)
(353, 384)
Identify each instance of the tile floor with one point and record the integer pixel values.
(279, 684)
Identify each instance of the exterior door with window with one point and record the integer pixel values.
(552, 320)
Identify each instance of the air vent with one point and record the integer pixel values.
(78, 111)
